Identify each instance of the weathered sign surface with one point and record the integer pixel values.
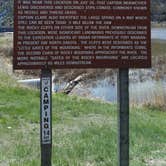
(81, 34)
(46, 110)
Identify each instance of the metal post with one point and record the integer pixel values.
(123, 117)
(46, 117)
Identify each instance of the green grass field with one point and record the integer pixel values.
(84, 131)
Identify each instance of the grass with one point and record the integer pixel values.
(6, 45)
(158, 25)
(6, 39)
(158, 47)
(84, 131)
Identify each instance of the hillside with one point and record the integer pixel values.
(6, 13)
(158, 11)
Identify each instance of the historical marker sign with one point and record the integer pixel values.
(82, 34)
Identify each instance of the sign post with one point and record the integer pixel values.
(82, 34)
(123, 117)
(46, 117)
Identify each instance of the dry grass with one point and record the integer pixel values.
(150, 93)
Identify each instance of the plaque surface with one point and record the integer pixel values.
(45, 110)
(81, 34)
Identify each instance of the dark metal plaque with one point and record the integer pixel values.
(82, 34)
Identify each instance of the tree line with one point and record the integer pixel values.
(158, 10)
